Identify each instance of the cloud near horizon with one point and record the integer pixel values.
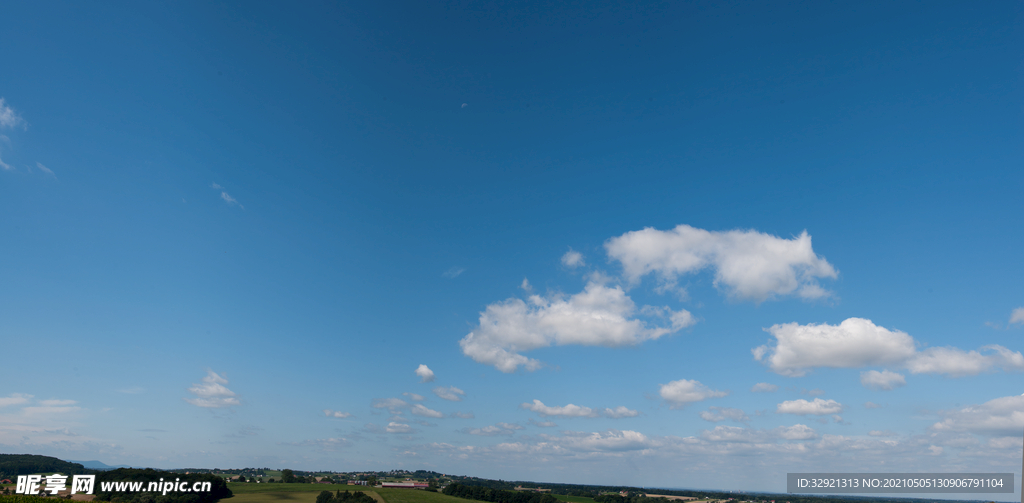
(857, 342)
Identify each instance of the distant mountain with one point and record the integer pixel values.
(12, 465)
(97, 465)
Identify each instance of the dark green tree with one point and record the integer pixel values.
(287, 476)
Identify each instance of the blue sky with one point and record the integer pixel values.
(678, 245)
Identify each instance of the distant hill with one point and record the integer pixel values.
(12, 465)
(98, 465)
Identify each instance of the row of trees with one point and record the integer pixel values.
(344, 497)
(497, 495)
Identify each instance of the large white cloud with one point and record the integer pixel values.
(684, 391)
(884, 380)
(212, 393)
(748, 265)
(802, 407)
(600, 315)
(999, 416)
(857, 342)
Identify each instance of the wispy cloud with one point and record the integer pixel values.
(572, 259)
(1017, 316)
(453, 272)
(225, 196)
(9, 118)
(212, 393)
(336, 413)
(802, 407)
(44, 169)
(463, 415)
(763, 387)
(450, 393)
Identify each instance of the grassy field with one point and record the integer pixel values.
(306, 493)
(574, 499)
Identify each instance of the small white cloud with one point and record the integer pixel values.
(14, 398)
(716, 414)
(464, 105)
(542, 424)
(763, 387)
(572, 259)
(525, 285)
(871, 405)
(391, 404)
(450, 393)
(420, 410)
(463, 415)
(619, 412)
(230, 200)
(569, 410)
(497, 429)
(44, 169)
(336, 413)
(215, 185)
(394, 427)
(796, 432)
(453, 272)
(1017, 316)
(9, 118)
(212, 393)
(881, 433)
(884, 380)
(414, 397)
(802, 407)
(684, 391)
(748, 265)
(426, 375)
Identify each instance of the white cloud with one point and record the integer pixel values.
(999, 416)
(414, 397)
(856, 342)
(497, 429)
(748, 265)
(1017, 316)
(881, 433)
(14, 398)
(564, 411)
(796, 432)
(763, 387)
(230, 200)
(619, 412)
(394, 427)
(420, 410)
(4, 166)
(957, 362)
(450, 393)
(336, 413)
(542, 424)
(391, 404)
(716, 414)
(8, 117)
(871, 405)
(572, 259)
(425, 374)
(884, 380)
(215, 185)
(610, 440)
(44, 169)
(463, 415)
(598, 316)
(212, 393)
(802, 407)
(682, 392)
(453, 272)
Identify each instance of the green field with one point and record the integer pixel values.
(306, 493)
(573, 499)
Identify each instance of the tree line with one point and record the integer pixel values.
(480, 493)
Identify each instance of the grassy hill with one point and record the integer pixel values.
(306, 493)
